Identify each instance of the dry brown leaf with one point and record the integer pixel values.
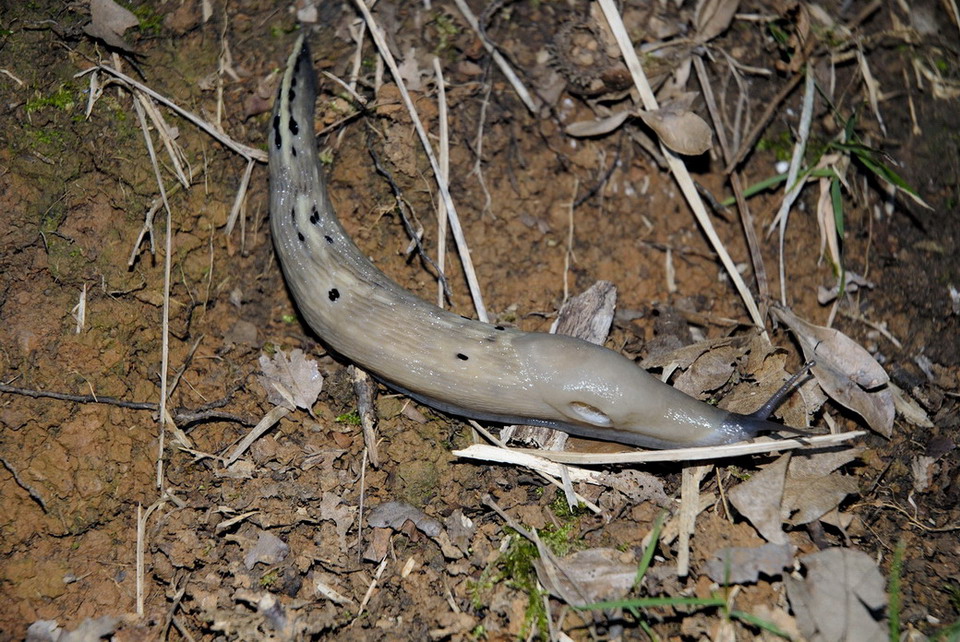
(395, 514)
(108, 21)
(295, 380)
(837, 599)
(685, 356)
(599, 127)
(268, 550)
(710, 371)
(759, 500)
(744, 564)
(812, 488)
(679, 130)
(845, 370)
(342, 515)
(593, 575)
(713, 17)
(638, 486)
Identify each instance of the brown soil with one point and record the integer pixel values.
(74, 192)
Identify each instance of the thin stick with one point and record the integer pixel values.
(498, 58)
(34, 494)
(444, 143)
(205, 412)
(165, 318)
(502, 451)
(676, 165)
(462, 248)
(240, 198)
(363, 496)
(269, 419)
(478, 146)
(689, 507)
(373, 583)
(485, 452)
(244, 150)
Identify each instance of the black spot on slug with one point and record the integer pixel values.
(499, 327)
(291, 95)
(301, 237)
(334, 294)
(293, 214)
(293, 81)
(329, 238)
(276, 130)
(293, 150)
(294, 127)
(314, 216)
(462, 356)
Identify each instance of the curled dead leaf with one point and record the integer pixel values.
(680, 131)
(108, 21)
(845, 371)
(713, 17)
(599, 127)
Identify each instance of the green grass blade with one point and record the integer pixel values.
(896, 598)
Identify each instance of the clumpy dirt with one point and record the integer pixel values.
(287, 542)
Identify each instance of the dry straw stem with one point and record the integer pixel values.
(454, 219)
(689, 508)
(505, 67)
(542, 467)
(519, 455)
(676, 165)
(165, 329)
(244, 150)
(444, 144)
(269, 419)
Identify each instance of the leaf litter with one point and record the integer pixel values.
(303, 485)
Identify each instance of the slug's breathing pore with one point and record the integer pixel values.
(457, 365)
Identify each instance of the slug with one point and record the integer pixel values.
(454, 364)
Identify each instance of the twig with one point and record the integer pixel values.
(483, 451)
(443, 288)
(181, 417)
(34, 494)
(452, 215)
(500, 450)
(147, 229)
(244, 150)
(373, 582)
(165, 319)
(240, 198)
(272, 417)
(408, 226)
(478, 150)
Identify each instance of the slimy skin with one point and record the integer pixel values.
(454, 364)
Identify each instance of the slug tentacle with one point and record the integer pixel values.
(455, 364)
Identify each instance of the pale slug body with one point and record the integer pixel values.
(446, 361)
